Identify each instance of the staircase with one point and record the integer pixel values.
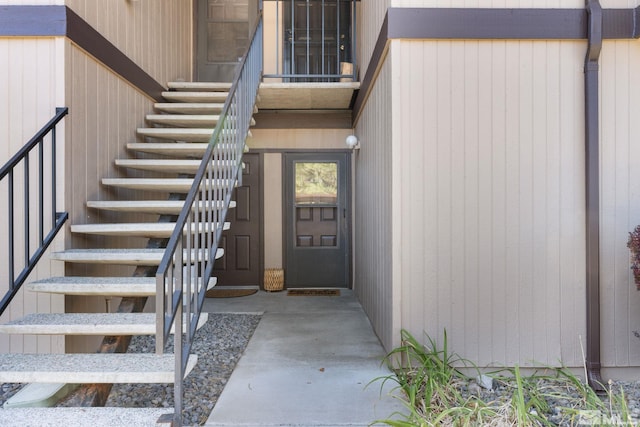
(177, 137)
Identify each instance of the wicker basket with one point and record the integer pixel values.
(273, 279)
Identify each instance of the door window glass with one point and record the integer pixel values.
(316, 219)
(316, 183)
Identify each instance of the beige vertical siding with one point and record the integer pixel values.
(272, 211)
(373, 213)
(491, 195)
(309, 139)
(156, 34)
(620, 200)
(273, 42)
(105, 112)
(370, 18)
(31, 83)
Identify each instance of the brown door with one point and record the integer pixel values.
(223, 37)
(241, 263)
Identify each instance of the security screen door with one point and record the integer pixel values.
(317, 244)
(223, 37)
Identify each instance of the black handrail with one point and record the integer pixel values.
(56, 218)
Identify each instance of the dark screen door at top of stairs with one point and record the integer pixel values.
(223, 37)
(317, 244)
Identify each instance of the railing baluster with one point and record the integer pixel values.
(27, 209)
(54, 191)
(11, 234)
(40, 193)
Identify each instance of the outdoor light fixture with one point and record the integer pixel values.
(352, 142)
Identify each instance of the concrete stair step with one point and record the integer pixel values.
(200, 86)
(92, 416)
(130, 368)
(195, 96)
(171, 185)
(167, 165)
(187, 120)
(154, 207)
(184, 120)
(178, 149)
(150, 257)
(142, 229)
(189, 107)
(180, 134)
(87, 324)
(100, 286)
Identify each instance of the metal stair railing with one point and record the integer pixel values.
(190, 255)
(33, 220)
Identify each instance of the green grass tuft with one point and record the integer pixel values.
(435, 392)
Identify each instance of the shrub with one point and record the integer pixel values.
(634, 248)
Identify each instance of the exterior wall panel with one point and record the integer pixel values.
(373, 212)
(620, 201)
(491, 195)
(105, 112)
(155, 34)
(370, 18)
(32, 90)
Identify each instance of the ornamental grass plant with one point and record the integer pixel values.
(435, 391)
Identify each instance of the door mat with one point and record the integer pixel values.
(314, 292)
(221, 292)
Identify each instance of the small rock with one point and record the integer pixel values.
(474, 389)
(485, 382)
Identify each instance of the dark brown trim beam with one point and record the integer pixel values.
(516, 24)
(95, 44)
(490, 24)
(56, 21)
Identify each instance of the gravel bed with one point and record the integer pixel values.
(218, 344)
(7, 390)
(562, 397)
